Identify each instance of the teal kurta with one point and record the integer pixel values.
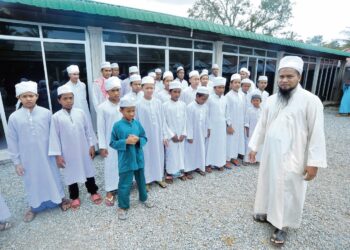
(130, 157)
(345, 101)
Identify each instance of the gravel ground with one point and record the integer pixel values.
(212, 212)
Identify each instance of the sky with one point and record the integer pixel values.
(310, 17)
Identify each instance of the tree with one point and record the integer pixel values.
(315, 40)
(269, 18)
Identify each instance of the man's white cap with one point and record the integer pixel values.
(147, 80)
(114, 65)
(112, 82)
(72, 69)
(126, 102)
(175, 85)
(179, 68)
(105, 65)
(158, 70)
(246, 80)
(193, 73)
(219, 81)
(204, 73)
(215, 66)
(294, 62)
(245, 70)
(152, 74)
(235, 77)
(24, 87)
(64, 89)
(167, 74)
(133, 69)
(134, 78)
(262, 78)
(203, 90)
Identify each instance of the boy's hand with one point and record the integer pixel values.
(60, 161)
(103, 152)
(190, 140)
(252, 157)
(230, 130)
(175, 139)
(166, 143)
(310, 173)
(19, 170)
(132, 140)
(92, 152)
(182, 138)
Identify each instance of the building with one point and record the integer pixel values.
(39, 39)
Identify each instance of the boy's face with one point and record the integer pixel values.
(74, 77)
(194, 80)
(66, 101)
(28, 99)
(245, 87)
(235, 85)
(136, 86)
(175, 94)
(128, 113)
(262, 85)
(158, 76)
(180, 74)
(106, 72)
(219, 90)
(148, 90)
(243, 74)
(166, 82)
(202, 99)
(256, 102)
(204, 80)
(215, 72)
(114, 94)
(115, 72)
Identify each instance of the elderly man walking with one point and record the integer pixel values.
(290, 133)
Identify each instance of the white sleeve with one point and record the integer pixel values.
(101, 129)
(55, 147)
(12, 143)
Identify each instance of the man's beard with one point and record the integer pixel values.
(285, 94)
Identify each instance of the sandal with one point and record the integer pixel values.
(208, 169)
(183, 178)
(220, 169)
(260, 218)
(109, 201)
(235, 162)
(65, 204)
(29, 216)
(169, 179)
(96, 198)
(202, 173)
(75, 204)
(278, 237)
(162, 184)
(5, 226)
(189, 176)
(228, 166)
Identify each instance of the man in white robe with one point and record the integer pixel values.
(28, 141)
(150, 114)
(188, 95)
(215, 72)
(158, 80)
(197, 132)
(136, 91)
(175, 122)
(163, 95)
(236, 104)
(180, 73)
(115, 69)
(107, 114)
(99, 90)
(126, 87)
(291, 131)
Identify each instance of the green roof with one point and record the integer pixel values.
(97, 8)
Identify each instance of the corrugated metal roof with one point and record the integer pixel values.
(97, 8)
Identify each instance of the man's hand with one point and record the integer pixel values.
(92, 152)
(230, 130)
(165, 142)
(252, 156)
(19, 170)
(182, 138)
(60, 161)
(310, 173)
(103, 152)
(175, 139)
(190, 140)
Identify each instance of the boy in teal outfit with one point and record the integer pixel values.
(128, 137)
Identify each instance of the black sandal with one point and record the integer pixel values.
(278, 237)
(262, 218)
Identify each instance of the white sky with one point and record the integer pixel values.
(310, 17)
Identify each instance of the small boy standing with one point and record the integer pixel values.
(136, 90)
(128, 138)
(163, 94)
(71, 142)
(262, 84)
(180, 73)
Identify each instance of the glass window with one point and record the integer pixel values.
(16, 29)
(63, 33)
(252, 68)
(230, 49)
(334, 86)
(180, 58)
(259, 52)
(180, 43)
(325, 83)
(304, 75)
(202, 61)
(310, 76)
(246, 51)
(271, 54)
(203, 45)
(313, 59)
(150, 59)
(270, 73)
(152, 40)
(260, 69)
(243, 62)
(229, 67)
(320, 78)
(117, 37)
(124, 56)
(305, 58)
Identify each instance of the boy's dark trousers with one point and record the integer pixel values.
(89, 184)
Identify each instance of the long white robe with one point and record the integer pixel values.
(293, 138)
(97, 96)
(197, 130)
(235, 142)
(218, 119)
(135, 96)
(126, 88)
(175, 123)
(184, 83)
(28, 141)
(108, 113)
(4, 210)
(70, 137)
(188, 95)
(150, 114)
(251, 119)
(158, 86)
(163, 95)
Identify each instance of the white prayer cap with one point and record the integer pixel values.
(112, 82)
(204, 73)
(203, 90)
(246, 80)
(219, 81)
(193, 73)
(262, 78)
(244, 69)
(294, 62)
(175, 85)
(126, 102)
(152, 74)
(167, 74)
(114, 65)
(147, 80)
(236, 77)
(105, 65)
(215, 66)
(64, 89)
(158, 70)
(24, 87)
(72, 69)
(179, 68)
(134, 78)
(133, 69)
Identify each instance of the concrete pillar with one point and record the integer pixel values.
(218, 54)
(280, 54)
(339, 82)
(317, 71)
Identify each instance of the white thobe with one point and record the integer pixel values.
(251, 119)
(97, 96)
(126, 88)
(175, 123)
(28, 141)
(212, 77)
(108, 113)
(188, 95)
(135, 96)
(183, 82)
(218, 119)
(149, 113)
(235, 142)
(197, 130)
(293, 138)
(4, 210)
(158, 86)
(163, 95)
(71, 138)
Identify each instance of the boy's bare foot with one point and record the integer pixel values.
(208, 169)
(189, 176)
(29, 216)
(65, 205)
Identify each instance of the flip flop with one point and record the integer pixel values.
(75, 204)
(162, 184)
(109, 201)
(260, 218)
(278, 237)
(29, 216)
(5, 226)
(65, 204)
(96, 198)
